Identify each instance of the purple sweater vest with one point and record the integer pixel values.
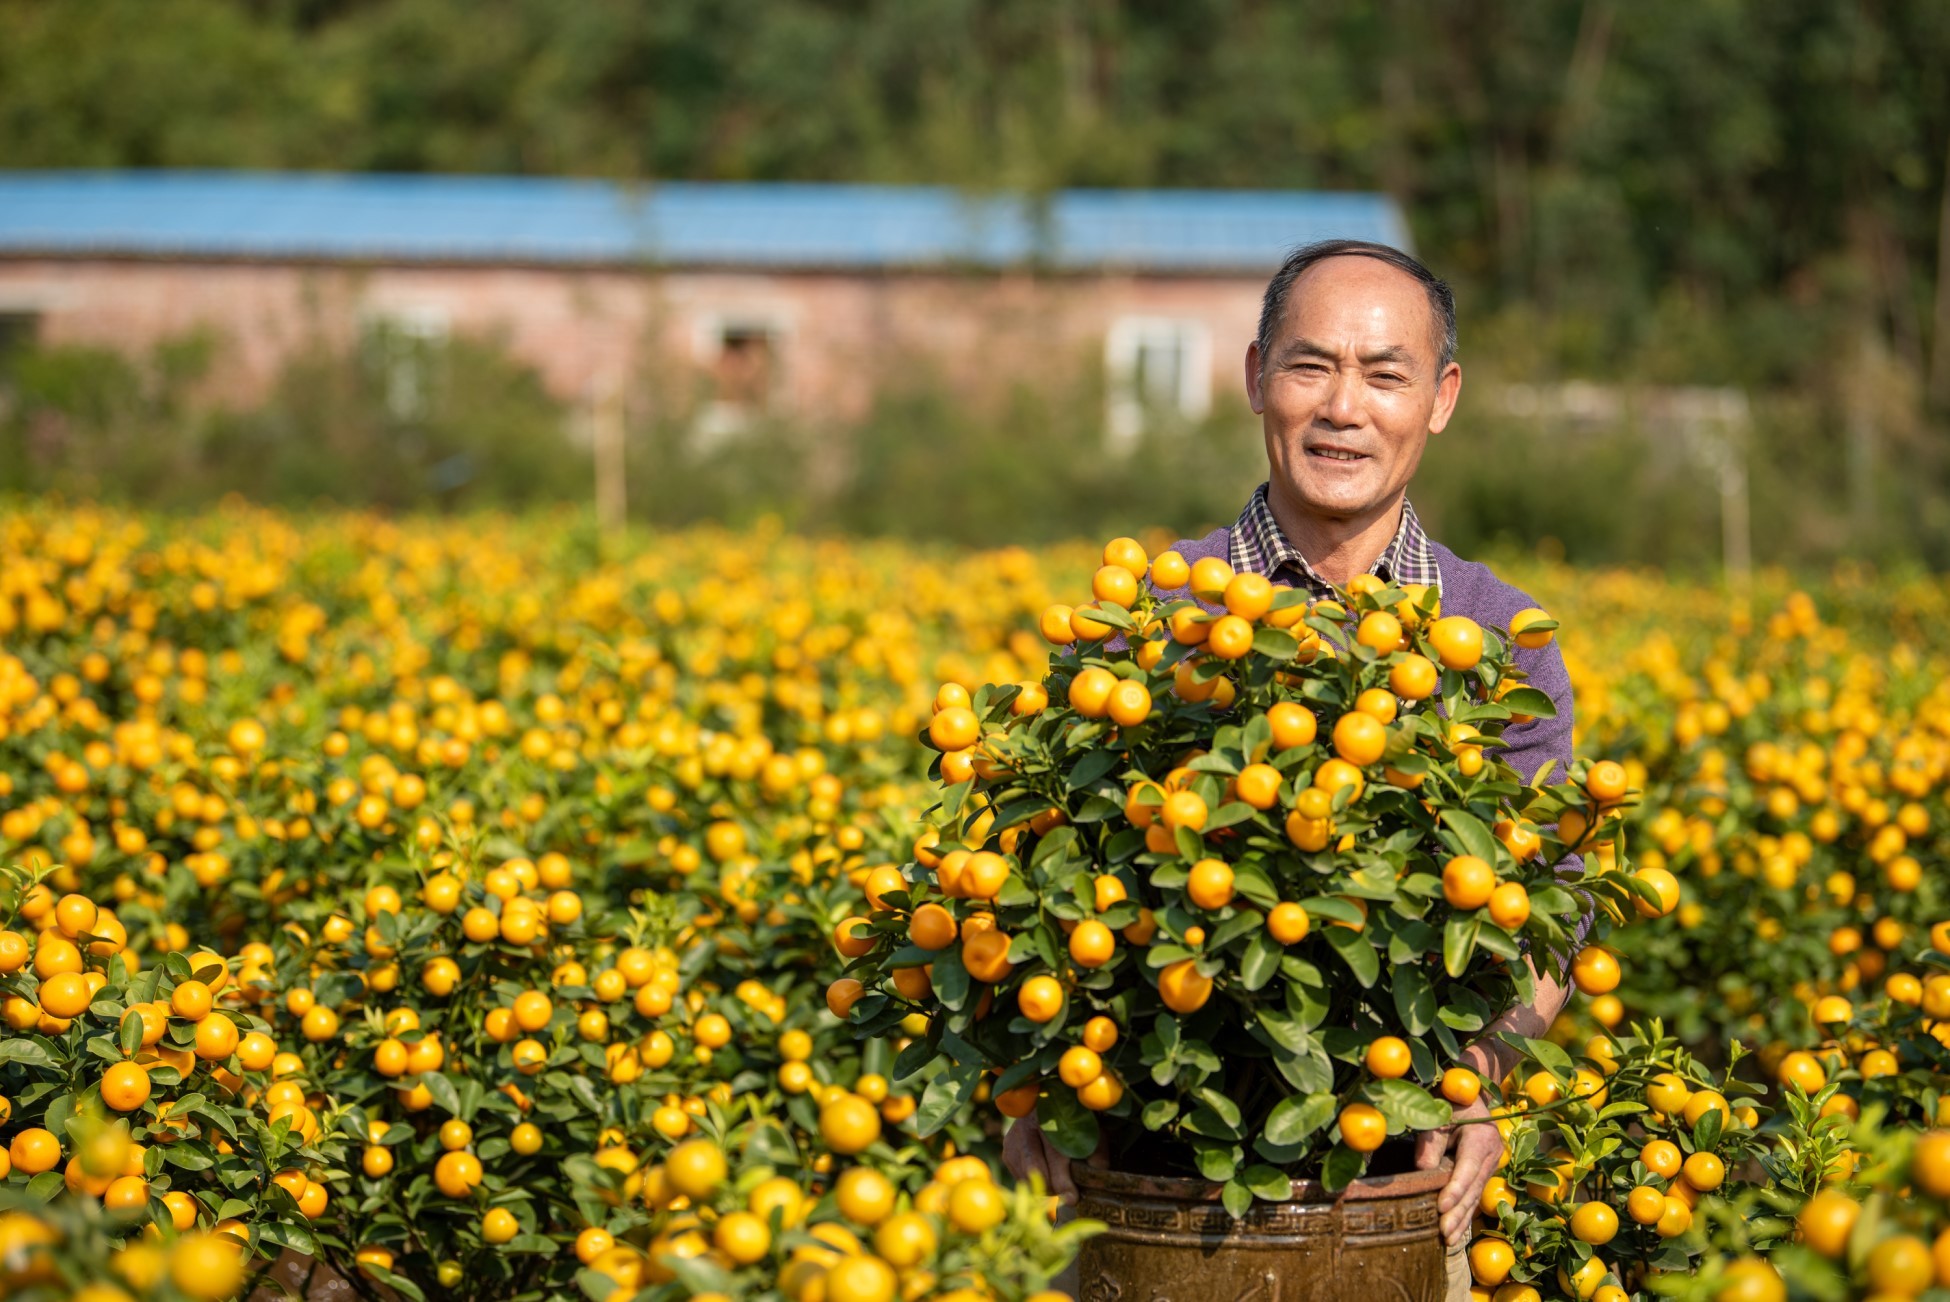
(1471, 589)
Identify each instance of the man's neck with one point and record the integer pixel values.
(1338, 549)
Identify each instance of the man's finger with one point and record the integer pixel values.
(1466, 1180)
(1430, 1145)
(1475, 1164)
(1058, 1167)
(1455, 1225)
(1022, 1150)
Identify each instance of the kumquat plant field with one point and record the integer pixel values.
(460, 908)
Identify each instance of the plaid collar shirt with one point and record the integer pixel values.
(1258, 545)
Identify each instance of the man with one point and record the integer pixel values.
(1352, 371)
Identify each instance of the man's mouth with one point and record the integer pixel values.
(1337, 454)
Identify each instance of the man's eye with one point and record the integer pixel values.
(1388, 377)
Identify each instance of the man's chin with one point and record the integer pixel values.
(1339, 500)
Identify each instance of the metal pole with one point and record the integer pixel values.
(606, 430)
(1736, 532)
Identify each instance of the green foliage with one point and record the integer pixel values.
(1666, 192)
(471, 429)
(1246, 1051)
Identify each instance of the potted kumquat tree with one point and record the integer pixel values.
(1221, 899)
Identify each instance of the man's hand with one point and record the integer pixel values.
(1024, 1150)
(1479, 1148)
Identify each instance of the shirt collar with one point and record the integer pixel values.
(1258, 545)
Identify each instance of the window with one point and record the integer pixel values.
(19, 331)
(405, 352)
(743, 362)
(1159, 372)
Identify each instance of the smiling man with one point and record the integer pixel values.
(1352, 371)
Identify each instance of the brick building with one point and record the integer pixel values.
(724, 300)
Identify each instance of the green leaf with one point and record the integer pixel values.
(1238, 1199)
(1285, 1031)
(951, 981)
(1241, 923)
(1256, 738)
(1375, 882)
(443, 1091)
(1228, 1110)
(1189, 846)
(61, 1110)
(1069, 1125)
(1251, 881)
(1309, 1072)
(1275, 643)
(407, 1288)
(1294, 1118)
(29, 1051)
(279, 1234)
(1268, 1182)
(1529, 700)
(1306, 994)
(1021, 810)
(1356, 951)
(1558, 902)
(911, 1059)
(1215, 1161)
(1409, 1105)
(128, 1035)
(190, 1157)
(1204, 1121)
(1550, 1055)
(1094, 765)
(1260, 961)
(1459, 942)
(595, 1285)
(1108, 612)
(1229, 814)
(44, 1186)
(1414, 998)
(212, 1115)
(1342, 1167)
(1332, 907)
(945, 1094)
(1159, 1112)
(1060, 841)
(1470, 832)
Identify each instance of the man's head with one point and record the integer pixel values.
(1354, 367)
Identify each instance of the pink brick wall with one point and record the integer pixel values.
(585, 330)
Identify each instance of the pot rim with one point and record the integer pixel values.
(1097, 1179)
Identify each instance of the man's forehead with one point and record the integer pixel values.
(1355, 289)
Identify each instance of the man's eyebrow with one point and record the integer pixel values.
(1394, 353)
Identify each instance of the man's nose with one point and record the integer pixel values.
(1345, 404)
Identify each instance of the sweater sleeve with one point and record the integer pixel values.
(1532, 744)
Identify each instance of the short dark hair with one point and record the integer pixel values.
(1442, 300)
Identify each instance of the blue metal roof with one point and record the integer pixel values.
(423, 218)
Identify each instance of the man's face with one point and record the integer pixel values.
(1350, 391)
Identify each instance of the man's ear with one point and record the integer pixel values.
(1255, 394)
(1447, 391)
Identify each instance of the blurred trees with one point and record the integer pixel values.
(1585, 158)
(1751, 192)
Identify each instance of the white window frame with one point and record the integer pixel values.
(1127, 411)
(718, 418)
(406, 380)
